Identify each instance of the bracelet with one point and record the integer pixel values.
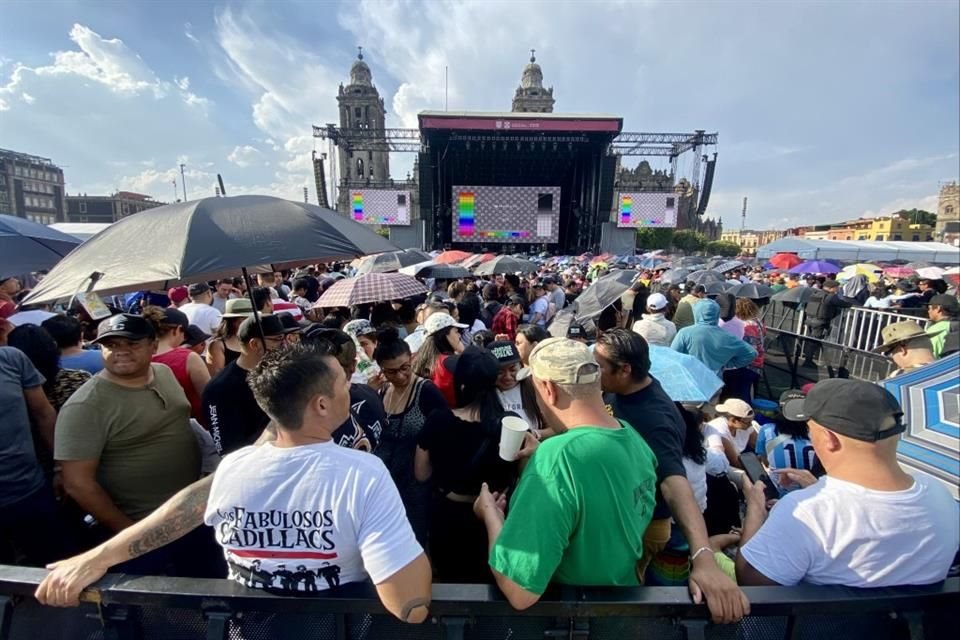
(698, 552)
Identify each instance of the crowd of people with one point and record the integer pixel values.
(216, 431)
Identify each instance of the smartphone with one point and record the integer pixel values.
(755, 471)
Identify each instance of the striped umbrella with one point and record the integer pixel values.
(370, 287)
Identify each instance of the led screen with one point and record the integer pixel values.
(647, 209)
(506, 214)
(380, 206)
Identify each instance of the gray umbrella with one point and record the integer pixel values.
(206, 239)
(603, 293)
(729, 265)
(795, 296)
(392, 261)
(443, 271)
(704, 277)
(505, 264)
(27, 246)
(674, 276)
(750, 290)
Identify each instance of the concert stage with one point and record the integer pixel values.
(507, 182)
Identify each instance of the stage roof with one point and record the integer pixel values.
(520, 122)
(862, 250)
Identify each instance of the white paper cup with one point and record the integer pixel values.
(511, 437)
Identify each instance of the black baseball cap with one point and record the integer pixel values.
(791, 405)
(505, 352)
(125, 325)
(198, 289)
(272, 326)
(175, 317)
(949, 303)
(577, 331)
(853, 408)
(194, 335)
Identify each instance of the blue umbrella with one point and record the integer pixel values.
(683, 377)
(815, 266)
(930, 399)
(27, 246)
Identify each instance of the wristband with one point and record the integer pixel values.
(698, 552)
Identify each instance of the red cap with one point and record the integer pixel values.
(178, 294)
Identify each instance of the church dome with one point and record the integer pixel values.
(360, 72)
(532, 77)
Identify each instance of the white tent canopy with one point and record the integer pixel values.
(862, 251)
(82, 230)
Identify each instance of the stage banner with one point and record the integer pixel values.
(505, 214)
(647, 209)
(380, 206)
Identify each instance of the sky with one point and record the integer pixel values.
(825, 110)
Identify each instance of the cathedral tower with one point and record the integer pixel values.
(361, 107)
(531, 97)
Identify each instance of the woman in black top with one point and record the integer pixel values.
(408, 399)
(457, 452)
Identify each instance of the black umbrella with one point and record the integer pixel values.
(715, 288)
(392, 261)
(206, 239)
(687, 261)
(674, 276)
(603, 293)
(505, 264)
(725, 266)
(750, 290)
(443, 271)
(795, 296)
(705, 277)
(27, 246)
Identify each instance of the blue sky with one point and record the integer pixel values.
(825, 111)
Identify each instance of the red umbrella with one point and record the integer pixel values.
(450, 257)
(785, 260)
(370, 287)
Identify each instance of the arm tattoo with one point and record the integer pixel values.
(179, 516)
(416, 603)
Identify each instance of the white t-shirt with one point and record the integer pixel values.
(540, 305)
(837, 532)
(308, 518)
(512, 400)
(719, 428)
(697, 477)
(202, 315)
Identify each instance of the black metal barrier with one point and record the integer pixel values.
(121, 607)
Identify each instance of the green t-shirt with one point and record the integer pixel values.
(141, 437)
(580, 511)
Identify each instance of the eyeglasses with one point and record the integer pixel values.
(404, 369)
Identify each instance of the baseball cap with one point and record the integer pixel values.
(791, 405)
(125, 325)
(357, 328)
(194, 335)
(515, 299)
(894, 334)
(176, 318)
(855, 409)
(178, 294)
(473, 369)
(272, 326)
(198, 289)
(439, 322)
(736, 407)
(505, 352)
(657, 301)
(950, 304)
(576, 332)
(549, 280)
(564, 361)
(237, 308)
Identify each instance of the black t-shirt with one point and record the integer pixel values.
(464, 454)
(363, 428)
(652, 413)
(235, 419)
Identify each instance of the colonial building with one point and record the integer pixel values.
(84, 208)
(748, 240)
(531, 97)
(948, 215)
(31, 187)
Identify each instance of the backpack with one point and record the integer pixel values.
(818, 312)
(489, 310)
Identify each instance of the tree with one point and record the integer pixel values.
(650, 238)
(725, 249)
(689, 241)
(918, 216)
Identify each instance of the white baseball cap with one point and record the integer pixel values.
(439, 322)
(736, 407)
(657, 301)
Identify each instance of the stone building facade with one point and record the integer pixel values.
(531, 97)
(948, 215)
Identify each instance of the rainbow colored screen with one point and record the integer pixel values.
(657, 209)
(486, 213)
(380, 206)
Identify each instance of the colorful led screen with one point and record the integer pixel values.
(647, 209)
(380, 206)
(505, 214)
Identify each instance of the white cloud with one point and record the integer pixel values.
(244, 156)
(188, 32)
(183, 83)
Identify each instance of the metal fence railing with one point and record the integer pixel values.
(122, 607)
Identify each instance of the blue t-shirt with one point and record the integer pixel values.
(20, 473)
(788, 453)
(87, 360)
